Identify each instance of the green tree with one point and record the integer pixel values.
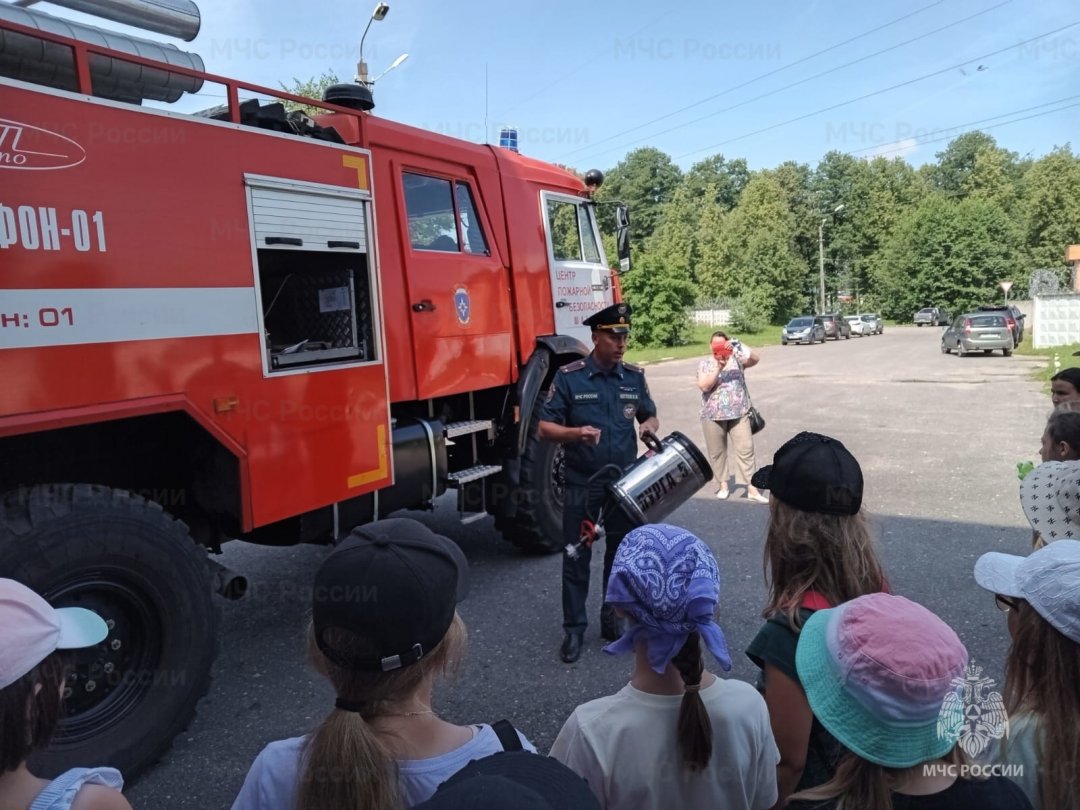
(878, 192)
(796, 181)
(1051, 207)
(645, 179)
(758, 245)
(947, 253)
(312, 88)
(717, 179)
(993, 177)
(840, 179)
(956, 161)
(674, 242)
(751, 311)
(716, 279)
(661, 296)
(974, 165)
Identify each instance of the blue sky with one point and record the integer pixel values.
(583, 81)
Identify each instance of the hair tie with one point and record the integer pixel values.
(693, 687)
(350, 706)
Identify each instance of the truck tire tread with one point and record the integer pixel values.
(53, 533)
(532, 527)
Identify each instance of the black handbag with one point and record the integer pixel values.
(757, 421)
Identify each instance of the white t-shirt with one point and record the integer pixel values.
(274, 779)
(625, 745)
(61, 791)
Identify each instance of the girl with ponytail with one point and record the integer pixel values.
(676, 735)
(819, 553)
(384, 628)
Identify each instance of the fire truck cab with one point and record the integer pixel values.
(252, 323)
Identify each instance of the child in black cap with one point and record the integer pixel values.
(384, 627)
(818, 554)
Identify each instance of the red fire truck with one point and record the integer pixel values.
(252, 324)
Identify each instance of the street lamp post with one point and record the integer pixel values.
(378, 15)
(821, 254)
(396, 63)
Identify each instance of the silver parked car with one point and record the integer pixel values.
(977, 332)
(804, 329)
(877, 325)
(859, 326)
(931, 316)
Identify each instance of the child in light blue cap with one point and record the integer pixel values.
(676, 735)
(1040, 596)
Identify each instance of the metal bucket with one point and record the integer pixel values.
(662, 480)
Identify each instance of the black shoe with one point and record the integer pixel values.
(571, 648)
(610, 625)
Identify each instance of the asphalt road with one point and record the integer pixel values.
(938, 438)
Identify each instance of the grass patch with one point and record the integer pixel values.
(1064, 355)
(699, 344)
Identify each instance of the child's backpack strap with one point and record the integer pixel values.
(507, 735)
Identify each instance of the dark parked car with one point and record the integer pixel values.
(804, 329)
(931, 316)
(1013, 316)
(836, 327)
(978, 332)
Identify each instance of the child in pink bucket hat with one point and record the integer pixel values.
(32, 675)
(676, 735)
(885, 676)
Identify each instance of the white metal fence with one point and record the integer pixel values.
(711, 317)
(1056, 320)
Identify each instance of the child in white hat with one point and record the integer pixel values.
(32, 674)
(1040, 595)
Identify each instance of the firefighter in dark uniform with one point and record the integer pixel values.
(592, 408)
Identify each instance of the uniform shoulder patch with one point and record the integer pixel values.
(632, 367)
(577, 365)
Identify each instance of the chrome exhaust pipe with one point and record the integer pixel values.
(174, 18)
(227, 582)
(28, 59)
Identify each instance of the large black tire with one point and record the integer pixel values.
(536, 525)
(138, 568)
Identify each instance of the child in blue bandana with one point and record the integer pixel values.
(676, 735)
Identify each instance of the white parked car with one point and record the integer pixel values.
(859, 325)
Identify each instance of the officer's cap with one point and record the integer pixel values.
(614, 319)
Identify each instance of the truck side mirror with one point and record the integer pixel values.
(622, 237)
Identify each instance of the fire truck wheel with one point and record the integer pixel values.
(537, 525)
(138, 568)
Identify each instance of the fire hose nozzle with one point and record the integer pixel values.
(590, 533)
